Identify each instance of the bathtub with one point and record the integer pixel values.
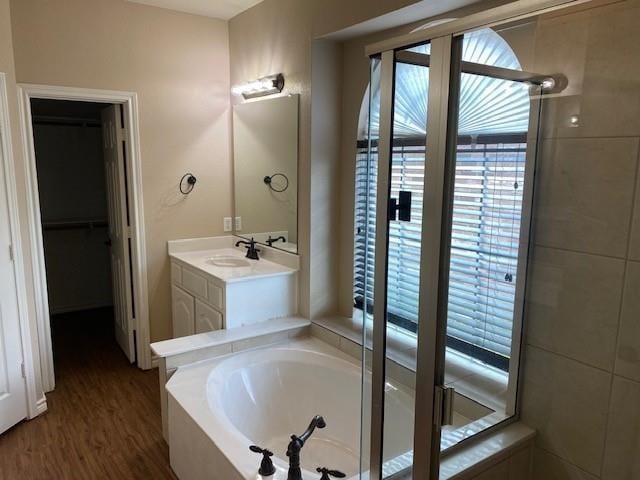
(218, 408)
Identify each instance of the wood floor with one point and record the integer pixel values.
(103, 420)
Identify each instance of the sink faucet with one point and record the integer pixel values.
(296, 444)
(271, 241)
(252, 251)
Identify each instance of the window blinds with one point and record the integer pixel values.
(484, 239)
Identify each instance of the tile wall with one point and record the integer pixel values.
(581, 384)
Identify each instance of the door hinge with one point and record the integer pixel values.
(23, 370)
(11, 252)
(443, 407)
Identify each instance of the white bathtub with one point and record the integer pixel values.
(220, 407)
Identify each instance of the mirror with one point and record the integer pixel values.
(265, 148)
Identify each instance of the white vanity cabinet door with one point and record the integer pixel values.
(207, 319)
(194, 283)
(184, 315)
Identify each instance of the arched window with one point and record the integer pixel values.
(493, 124)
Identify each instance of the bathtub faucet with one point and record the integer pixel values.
(296, 444)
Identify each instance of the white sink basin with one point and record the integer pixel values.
(228, 261)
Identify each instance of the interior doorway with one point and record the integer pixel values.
(106, 213)
(80, 156)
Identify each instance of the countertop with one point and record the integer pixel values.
(256, 269)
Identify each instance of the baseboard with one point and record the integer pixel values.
(155, 361)
(41, 407)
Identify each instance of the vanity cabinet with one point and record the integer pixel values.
(202, 302)
(197, 302)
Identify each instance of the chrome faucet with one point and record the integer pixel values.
(296, 444)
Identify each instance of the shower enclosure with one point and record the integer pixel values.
(444, 191)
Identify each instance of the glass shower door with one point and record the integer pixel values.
(407, 211)
(452, 168)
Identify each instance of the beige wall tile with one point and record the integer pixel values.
(596, 50)
(520, 464)
(584, 194)
(497, 472)
(573, 305)
(550, 467)
(611, 97)
(566, 402)
(561, 44)
(622, 454)
(628, 351)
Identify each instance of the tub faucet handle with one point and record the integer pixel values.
(266, 465)
(326, 473)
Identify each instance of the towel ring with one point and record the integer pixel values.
(187, 183)
(268, 181)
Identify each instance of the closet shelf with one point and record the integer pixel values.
(75, 224)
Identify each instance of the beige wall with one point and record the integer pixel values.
(178, 65)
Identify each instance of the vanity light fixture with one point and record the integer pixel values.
(261, 87)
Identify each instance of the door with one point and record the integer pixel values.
(119, 240)
(13, 401)
(407, 216)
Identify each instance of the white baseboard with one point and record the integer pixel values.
(41, 407)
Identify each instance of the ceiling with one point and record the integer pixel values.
(224, 9)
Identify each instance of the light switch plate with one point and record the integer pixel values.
(228, 224)
(238, 224)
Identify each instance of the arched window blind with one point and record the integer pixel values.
(491, 155)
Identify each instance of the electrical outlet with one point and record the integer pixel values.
(228, 224)
(238, 224)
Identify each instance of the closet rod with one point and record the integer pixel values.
(75, 225)
(66, 121)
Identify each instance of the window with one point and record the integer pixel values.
(491, 156)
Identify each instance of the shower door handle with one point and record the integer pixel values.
(400, 208)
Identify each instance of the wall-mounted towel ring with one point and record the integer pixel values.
(269, 179)
(187, 182)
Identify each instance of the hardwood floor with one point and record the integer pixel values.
(103, 420)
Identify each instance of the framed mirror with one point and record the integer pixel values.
(265, 150)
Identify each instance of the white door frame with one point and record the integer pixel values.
(36, 402)
(129, 102)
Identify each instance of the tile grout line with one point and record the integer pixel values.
(580, 252)
(567, 357)
(555, 455)
(620, 308)
(590, 137)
